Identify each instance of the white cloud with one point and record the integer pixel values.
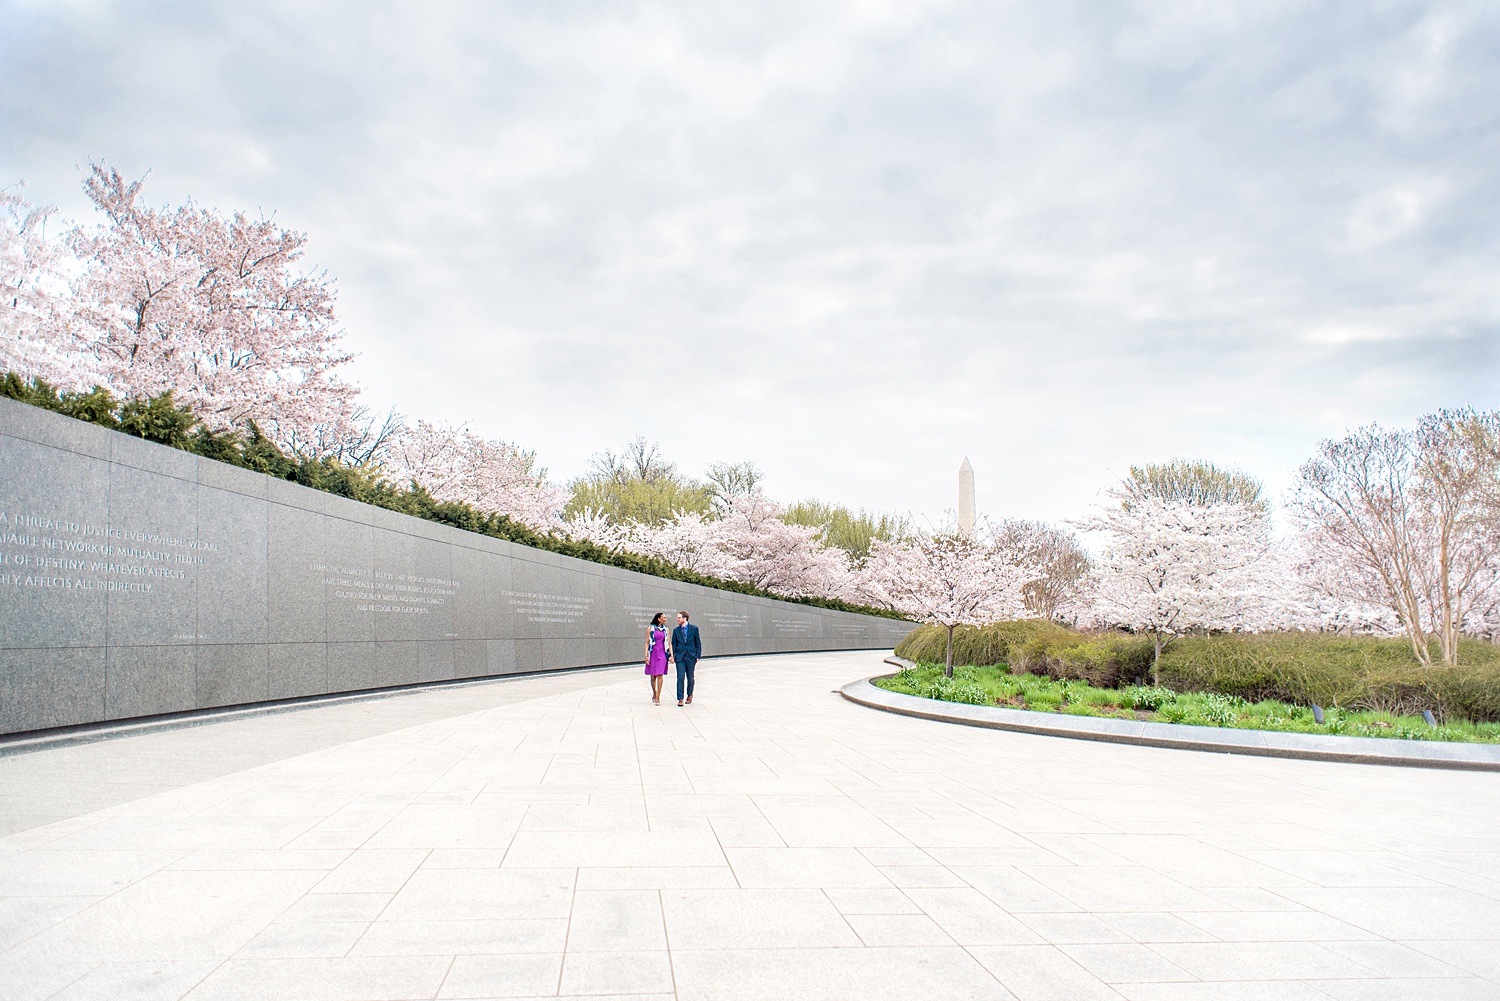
(852, 241)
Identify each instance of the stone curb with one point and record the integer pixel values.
(1264, 743)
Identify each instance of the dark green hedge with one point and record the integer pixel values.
(161, 420)
(1360, 672)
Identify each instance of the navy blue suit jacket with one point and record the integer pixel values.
(686, 646)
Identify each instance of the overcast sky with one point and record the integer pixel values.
(851, 241)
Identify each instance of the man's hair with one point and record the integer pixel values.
(684, 615)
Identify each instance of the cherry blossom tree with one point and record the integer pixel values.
(589, 525)
(947, 578)
(1184, 551)
(687, 540)
(750, 543)
(32, 288)
(212, 308)
(1316, 593)
(454, 464)
(763, 550)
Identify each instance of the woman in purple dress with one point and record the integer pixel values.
(657, 654)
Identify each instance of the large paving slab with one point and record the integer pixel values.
(770, 841)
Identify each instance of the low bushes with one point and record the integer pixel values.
(1363, 673)
(1354, 673)
(990, 644)
(1039, 647)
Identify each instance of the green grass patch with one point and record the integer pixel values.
(996, 685)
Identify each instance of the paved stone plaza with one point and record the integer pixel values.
(562, 836)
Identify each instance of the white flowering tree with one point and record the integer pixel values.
(1188, 547)
(31, 287)
(454, 464)
(687, 540)
(589, 525)
(750, 543)
(211, 308)
(1315, 593)
(763, 550)
(946, 578)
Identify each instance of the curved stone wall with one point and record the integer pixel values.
(141, 580)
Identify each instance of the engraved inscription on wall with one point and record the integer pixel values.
(727, 623)
(536, 607)
(62, 553)
(384, 592)
(645, 613)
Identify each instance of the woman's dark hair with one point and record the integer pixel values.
(656, 619)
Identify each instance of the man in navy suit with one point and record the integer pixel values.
(686, 649)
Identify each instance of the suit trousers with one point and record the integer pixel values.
(685, 678)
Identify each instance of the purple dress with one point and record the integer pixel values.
(656, 663)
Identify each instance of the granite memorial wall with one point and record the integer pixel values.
(140, 580)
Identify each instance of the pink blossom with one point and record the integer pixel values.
(947, 578)
(213, 309)
(32, 290)
(454, 464)
(1171, 565)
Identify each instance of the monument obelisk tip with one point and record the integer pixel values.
(966, 497)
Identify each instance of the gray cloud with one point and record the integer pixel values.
(867, 238)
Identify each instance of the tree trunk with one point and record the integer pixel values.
(948, 671)
(1419, 649)
(1448, 635)
(1156, 661)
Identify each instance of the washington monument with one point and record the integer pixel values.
(966, 498)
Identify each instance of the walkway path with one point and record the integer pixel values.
(770, 842)
(96, 769)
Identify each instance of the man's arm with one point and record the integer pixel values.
(697, 643)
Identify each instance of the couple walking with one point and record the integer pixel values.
(683, 646)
